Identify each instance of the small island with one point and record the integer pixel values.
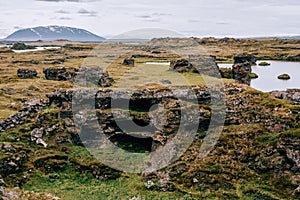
(264, 64)
(284, 77)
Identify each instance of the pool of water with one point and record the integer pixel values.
(157, 63)
(36, 49)
(268, 81)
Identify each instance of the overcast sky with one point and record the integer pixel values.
(189, 17)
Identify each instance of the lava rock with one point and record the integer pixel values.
(93, 76)
(242, 58)
(242, 72)
(30, 107)
(290, 94)
(182, 65)
(128, 61)
(60, 74)
(27, 73)
(201, 64)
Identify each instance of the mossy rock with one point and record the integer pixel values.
(253, 76)
(284, 77)
(264, 64)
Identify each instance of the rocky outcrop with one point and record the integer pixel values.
(36, 136)
(293, 58)
(93, 76)
(247, 150)
(85, 76)
(255, 147)
(290, 94)
(30, 107)
(241, 70)
(60, 74)
(27, 73)
(182, 65)
(242, 58)
(205, 65)
(212, 40)
(201, 64)
(128, 61)
(160, 104)
(240, 109)
(14, 160)
(246, 108)
(105, 80)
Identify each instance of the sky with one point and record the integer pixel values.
(199, 18)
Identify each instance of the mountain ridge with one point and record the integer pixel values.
(52, 33)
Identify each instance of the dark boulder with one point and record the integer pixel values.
(128, 61)
(60, 74)
(242, 72)
(201, 64)
(242, 58)
(182, 65)
(94, 76)
(206, 65)
(105, 80)
(27, 73)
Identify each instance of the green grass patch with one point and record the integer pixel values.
(71, 185)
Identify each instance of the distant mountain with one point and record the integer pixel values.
(51, 33)
(291, 37)
(143, 35)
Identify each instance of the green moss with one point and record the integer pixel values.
(253, 76)
(294, 133)
(267, 139)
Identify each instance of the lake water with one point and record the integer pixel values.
(268, 81)
(36, 49)
(157, 63)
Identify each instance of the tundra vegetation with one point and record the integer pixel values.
(42, 156)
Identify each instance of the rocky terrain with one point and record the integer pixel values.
(290, 94)
(43, 156)
(253, 144)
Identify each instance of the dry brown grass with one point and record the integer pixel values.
(270, 48)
